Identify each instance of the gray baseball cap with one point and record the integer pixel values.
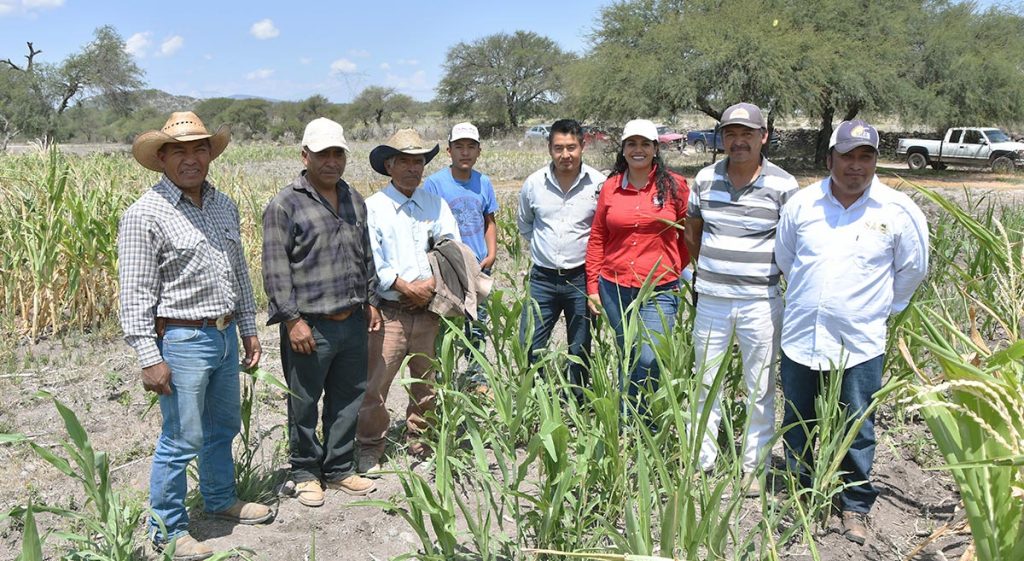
(746, 114)
(851, 134)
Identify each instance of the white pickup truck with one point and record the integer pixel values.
(964, 146)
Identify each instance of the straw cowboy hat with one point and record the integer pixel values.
(182, 126)
(405, 141)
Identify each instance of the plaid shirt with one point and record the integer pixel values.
(316, 260)
(177, 260)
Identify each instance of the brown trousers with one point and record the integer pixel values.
(404, 333)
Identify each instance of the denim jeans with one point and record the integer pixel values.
(336, 370)
(800, 386)
(201, 417)
(555, 294)
(658, 316)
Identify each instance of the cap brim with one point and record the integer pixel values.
(147, 144)
(844, 147)
(381, 153)
(744, 122)
(322, 147)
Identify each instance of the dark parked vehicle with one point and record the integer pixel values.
(702, 139)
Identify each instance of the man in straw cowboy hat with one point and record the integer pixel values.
(185, 295)
(404, 222)
(322, 285)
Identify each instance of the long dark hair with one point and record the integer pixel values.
(667, 187)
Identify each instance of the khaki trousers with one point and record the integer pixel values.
(403, 333)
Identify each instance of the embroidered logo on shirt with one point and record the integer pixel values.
(880, 227)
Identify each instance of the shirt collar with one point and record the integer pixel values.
(650, 179)
(549, 173)
(398, 199)
(303, 184)
(722, 169)
(175, 195)
(826, 187)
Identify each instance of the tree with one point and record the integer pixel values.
(35, 94)
(823, 58)
(248, 117)
(506, 77)
(378, 103)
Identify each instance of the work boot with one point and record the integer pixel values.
(855, 526)
(309, 493)
(244, 513)
(186, 548)
(353, 485)
(369, 463)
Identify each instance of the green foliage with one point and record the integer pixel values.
(378, 104)
(964, 345)
(506, 78)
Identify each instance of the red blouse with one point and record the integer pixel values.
(631, 233)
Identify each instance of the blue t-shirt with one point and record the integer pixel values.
(469, 201)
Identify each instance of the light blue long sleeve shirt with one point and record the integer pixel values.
(401, 231)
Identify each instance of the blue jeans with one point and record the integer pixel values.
(658, 315)
(555, 294)
(336, 370)
(201, 417)
(800, 386)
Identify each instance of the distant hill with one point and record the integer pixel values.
(163, 101)
(244, 96)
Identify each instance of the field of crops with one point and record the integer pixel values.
(525, 469)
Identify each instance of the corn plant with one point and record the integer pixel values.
(972, 401)
(108, 520)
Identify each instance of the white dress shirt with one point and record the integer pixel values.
(401, 230)
(847, 270)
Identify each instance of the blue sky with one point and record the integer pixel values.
(285, 50)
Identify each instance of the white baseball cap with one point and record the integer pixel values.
(464, 130)
(640, 127)
(323, 133)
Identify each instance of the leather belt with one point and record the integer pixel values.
(562, 272)
(340, 316)
(221, 323)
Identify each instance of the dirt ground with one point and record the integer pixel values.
(97, 376)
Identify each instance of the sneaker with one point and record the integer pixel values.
(244, 513)
(353, 485)
(751, 485)
(309, 493)
(855, 526)
(369, 464)
(186, 548)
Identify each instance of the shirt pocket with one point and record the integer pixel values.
(187, 255)
(872, 251)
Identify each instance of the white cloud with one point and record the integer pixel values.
(28, 7)
(6, 7)
(385, 66)
(305, 61)
(264, 29)
(208, 56)
(359, 53)
(261, 74)
(172, 45)
(407, 62)
(137, 44)
(343, 66)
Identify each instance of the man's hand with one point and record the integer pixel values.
(416, 294)
(253, 351)
(157, 378)
(373, 319)
(594, 304)
(487, 263)
(300, 336)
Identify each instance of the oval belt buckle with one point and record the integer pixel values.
(222, 323)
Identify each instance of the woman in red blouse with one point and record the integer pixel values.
(637, 238)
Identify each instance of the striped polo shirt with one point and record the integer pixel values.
(737, 251)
